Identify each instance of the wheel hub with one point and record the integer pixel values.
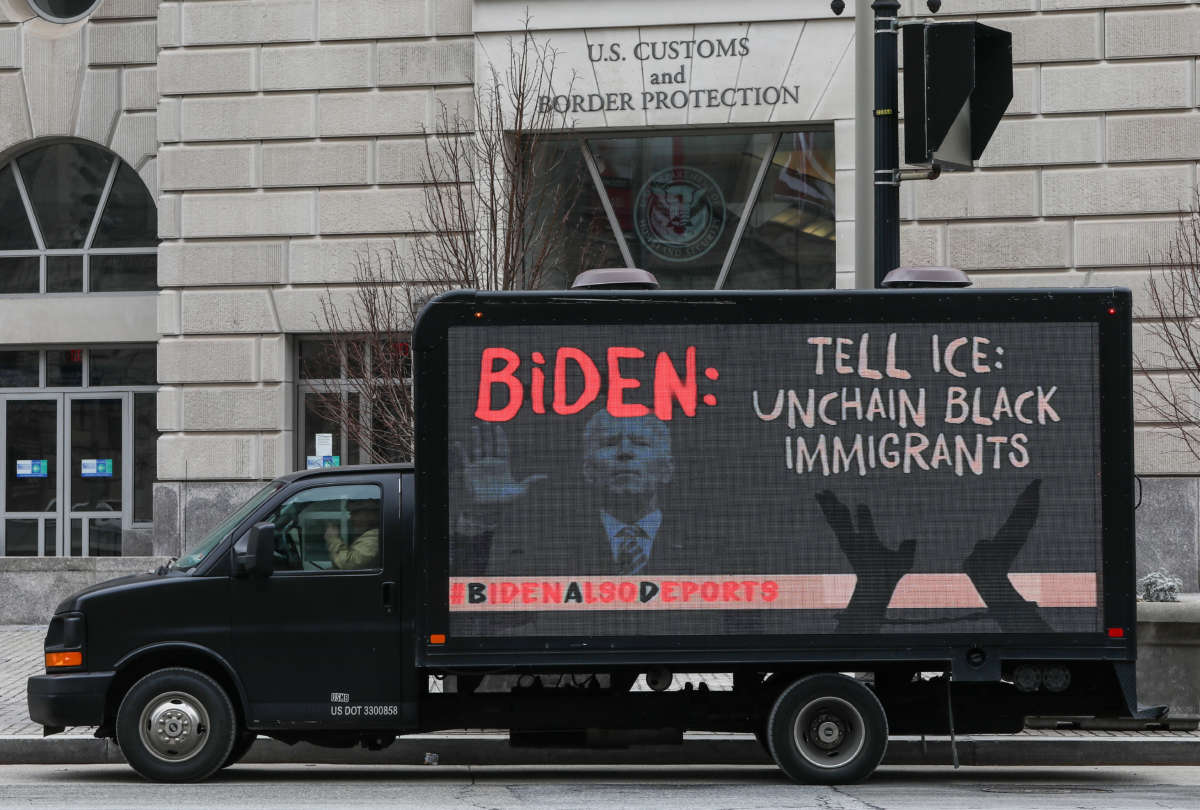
(174, 726)
(829, 732)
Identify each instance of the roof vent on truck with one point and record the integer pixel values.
(615, 278)
(917, 277)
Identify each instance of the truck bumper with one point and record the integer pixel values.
(70, 699)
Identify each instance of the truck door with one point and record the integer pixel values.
(317, 642)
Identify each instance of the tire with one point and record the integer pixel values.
(241, 746)
(176, 725)
(827, 730)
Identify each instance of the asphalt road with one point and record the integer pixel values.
(264, 787)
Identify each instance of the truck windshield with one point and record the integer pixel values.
(213, 539)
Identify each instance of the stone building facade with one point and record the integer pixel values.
(279, 139)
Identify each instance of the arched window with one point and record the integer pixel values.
(76, 219)
(64, 10)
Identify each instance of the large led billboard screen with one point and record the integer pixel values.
(773, 478)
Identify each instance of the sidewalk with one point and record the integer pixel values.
(21, 741)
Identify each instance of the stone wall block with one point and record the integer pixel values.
(149, 175)
(169, 319)
(1136, 138)
(1064, 5)
(316, 67)
(1121, 86)
(371, 211)
(1151, 351)
(390, 112)
(400, 160)
(1115, 243)
(1012, 280)
(140, 88)
(250, 21)
(1153, 32)
(211, 457)
(1161, 451)
(1133, 190)
(1009, 245)
(168, 407)
(53, 72)
(170, 25)
(372, 19)
(232, 409)
(451, 17)
(15, 11)
(1025, 92)
(978, 194)
(14, 124)
(218, 360)
(272, 214)
(300, 308)
(205, 70)
(274, 453)
(250, 118)
(100, 104)
(1053, 38)
(168, 119)
(197, 264)
(207, 167)
(330, 163)
(10, 47)
(169, 206)
(125, 9)
(227, 312)
(335, 261)
(1031, 142)
(273, 359)
(922, 245)
(122, 43)
(136, 138)
(917, 8)
(403, 63)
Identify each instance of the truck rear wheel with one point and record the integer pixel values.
(176, 725)
(827, 730)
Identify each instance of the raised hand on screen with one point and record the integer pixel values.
(877, 567)
(989, 563)
(486, 471)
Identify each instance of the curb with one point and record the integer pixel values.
(700, 749)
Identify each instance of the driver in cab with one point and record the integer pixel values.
(363, 551)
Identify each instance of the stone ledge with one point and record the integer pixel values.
(1186, 610)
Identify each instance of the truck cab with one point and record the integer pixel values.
(286, 617)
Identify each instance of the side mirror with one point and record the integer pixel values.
(259, 558)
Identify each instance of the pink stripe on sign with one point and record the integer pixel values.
(749, 592)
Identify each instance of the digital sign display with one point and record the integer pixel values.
(706, 479)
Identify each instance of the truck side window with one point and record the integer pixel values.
(329, 528)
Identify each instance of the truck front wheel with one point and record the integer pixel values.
(827, 730)
(176, 725)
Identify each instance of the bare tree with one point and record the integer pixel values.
(1173, 292)
(497, 196)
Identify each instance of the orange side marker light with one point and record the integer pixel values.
(64, 659)
(437, 638)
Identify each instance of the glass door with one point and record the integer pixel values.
(30, 502)
(98, 491)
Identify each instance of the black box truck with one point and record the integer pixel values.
(878, 512)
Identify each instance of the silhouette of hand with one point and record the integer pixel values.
(988, 566)
(877, 567)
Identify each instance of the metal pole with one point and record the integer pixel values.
(864, 148)
(887, 138)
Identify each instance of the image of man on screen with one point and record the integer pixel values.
(612, 523)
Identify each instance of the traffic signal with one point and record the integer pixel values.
(957, 85)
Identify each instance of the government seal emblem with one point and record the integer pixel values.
(679, 214)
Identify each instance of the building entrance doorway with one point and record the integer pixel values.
(67, 487)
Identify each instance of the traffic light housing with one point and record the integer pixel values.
(957, 85)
